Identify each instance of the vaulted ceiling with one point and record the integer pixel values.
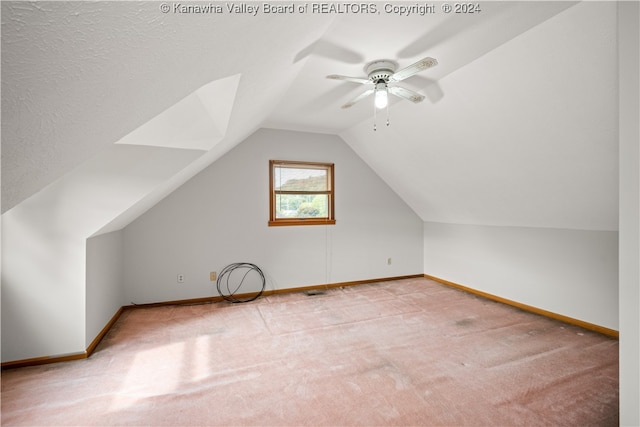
(519, 124)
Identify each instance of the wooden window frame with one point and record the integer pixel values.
(330, 219)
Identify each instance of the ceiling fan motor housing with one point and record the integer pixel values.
(380, 70)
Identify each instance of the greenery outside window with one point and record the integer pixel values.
(301, 193)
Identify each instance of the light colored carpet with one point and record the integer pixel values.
(407, 352)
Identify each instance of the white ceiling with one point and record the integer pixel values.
(355, 40)
(525, 135)
(519, 126)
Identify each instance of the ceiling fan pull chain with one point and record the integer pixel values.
(387, 114)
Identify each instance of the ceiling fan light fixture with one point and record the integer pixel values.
(382, 95)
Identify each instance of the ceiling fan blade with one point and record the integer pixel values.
(409, 71)
(407, 94)
(350, 79)
(358, 98)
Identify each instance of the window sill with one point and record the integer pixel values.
(308, 221)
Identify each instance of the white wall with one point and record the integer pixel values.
(43, 275)
(568, 272)
(44, 243)
(220, 217)
(104, 290)
(629, 111)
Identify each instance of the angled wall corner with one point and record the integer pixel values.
(44, 245)
(45, 309)
(197, 122)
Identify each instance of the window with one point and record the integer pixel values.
(300, 193)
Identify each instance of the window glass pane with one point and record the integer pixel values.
(300, 193)
(302, 205)
(300, 179)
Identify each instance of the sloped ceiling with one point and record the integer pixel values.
(525, 135)
(518, 128)
(79, 76)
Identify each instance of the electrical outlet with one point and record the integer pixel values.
(213, 276)
(180, 278)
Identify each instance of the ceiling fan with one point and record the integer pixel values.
(382, 76)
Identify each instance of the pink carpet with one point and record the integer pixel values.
(397, 353)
